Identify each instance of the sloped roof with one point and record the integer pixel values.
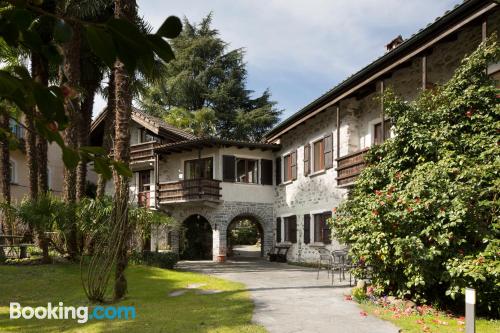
(213, 142)
(416, 40)
(154, 124)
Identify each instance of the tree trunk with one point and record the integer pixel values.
(71, 73)
(39, 68)
(5, 172)
(125, 9)
(83, 136)
(109, 121)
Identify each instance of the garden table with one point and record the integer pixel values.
(13, 247)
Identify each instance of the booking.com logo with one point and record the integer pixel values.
(81, 313)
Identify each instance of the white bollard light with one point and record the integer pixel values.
(470, 316)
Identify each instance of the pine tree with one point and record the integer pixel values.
(206, 75)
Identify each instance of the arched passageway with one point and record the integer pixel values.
(245, 237)
(195, 239)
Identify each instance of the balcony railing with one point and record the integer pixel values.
(189, 190)
(141, 152)
(350, 166)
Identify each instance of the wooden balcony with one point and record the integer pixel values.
(142, 152)
(350, 166)
(189, 190)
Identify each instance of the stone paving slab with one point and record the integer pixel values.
(289, 299)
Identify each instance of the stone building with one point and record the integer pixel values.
(289, 185)
(323, 144)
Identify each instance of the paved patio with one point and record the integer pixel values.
(290, 299)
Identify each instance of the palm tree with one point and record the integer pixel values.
(124, 9)
(70, 77)
(109, 122)
(92, 73)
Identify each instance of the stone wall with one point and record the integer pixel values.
(219, 217)
(315, 193)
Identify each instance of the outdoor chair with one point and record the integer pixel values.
(325, 259)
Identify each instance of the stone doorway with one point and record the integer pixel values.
(196, 239)
(245, 237)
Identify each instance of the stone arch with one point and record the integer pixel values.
(259, 216)
(256, 223)
(196, 238)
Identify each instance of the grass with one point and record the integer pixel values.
(432, 322)
(229, 311)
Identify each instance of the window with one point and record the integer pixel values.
(290, 167)
(13, 170)
(307, 229)
(377, 132)
(278, 230)
(290, 224)
(321, 228)
(147, 136)
(16, 129)
(319, 155)
(199, 168)
(287, 168)
(144, 180)
(247, 170)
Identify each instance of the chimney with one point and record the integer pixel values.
(394, 43)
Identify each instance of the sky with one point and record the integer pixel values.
(300, 49)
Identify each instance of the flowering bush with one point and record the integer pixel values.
(424, 213)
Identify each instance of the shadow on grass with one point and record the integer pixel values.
(229, 311)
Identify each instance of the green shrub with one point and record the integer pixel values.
(424, 213)
(358, 294)
(157, 259)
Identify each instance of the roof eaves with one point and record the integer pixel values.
(405, 46)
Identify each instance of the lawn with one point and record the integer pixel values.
(228, 311)
(429, 323)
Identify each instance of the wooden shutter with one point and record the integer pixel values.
(293, 157)
(326, 228)
(278, 230)
(278, 171)
(307, 160)
(292, 225)
(228, 168)
(266, 172)
(328, 151)
(307, 229)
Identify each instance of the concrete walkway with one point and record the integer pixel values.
(290, 299)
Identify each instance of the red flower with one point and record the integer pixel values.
(382, 203)
(469, 113)
(363, 314)
(409, 209)
(398, 175)
(374, 212)
(334, 210)
(417, 200)
(377, 192)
